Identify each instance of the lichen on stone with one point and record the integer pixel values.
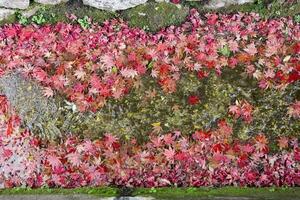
(153, 16)
(36, 111)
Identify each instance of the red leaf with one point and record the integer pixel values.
(202, 74)
(243, 161)
(40, 74)
(7, 153)
(9, 129)
(283, 142)
(201, 135)
(181, 156)
(193, 100)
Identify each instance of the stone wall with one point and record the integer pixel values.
(24, 4)
(19, 4)
(214, 4)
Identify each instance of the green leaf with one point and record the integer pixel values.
(225, 51)
(150, 65)
(114, 69)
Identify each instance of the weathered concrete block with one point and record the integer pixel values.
(20, 4)
(48, 118)
(4, 13)
(113, 5)
(215, 4)
(36, 111)
(50, 2)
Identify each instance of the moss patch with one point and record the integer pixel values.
(102, 192)
(199, 193)
(264, 8)
(154, 16)
(57, 13)
(167, 193)
(9, 20)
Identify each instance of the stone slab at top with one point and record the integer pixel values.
(50, 2)
(113, 5)
(17, 4)
(215, 4)
(4, 13)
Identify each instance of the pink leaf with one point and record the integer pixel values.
(48, 92)
(251, 49)
(74, 159)
(54, 161)
(169, 153)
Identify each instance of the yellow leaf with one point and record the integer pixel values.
(197, 127)
(156, 124)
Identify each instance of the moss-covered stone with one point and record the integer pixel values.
(148, 108)
(154, 16)
(36, 111)
(270, 115)
(270, 107)
(57, 13)
(151, 16)
(48, 118)
(157, 15)
(9, 20)
(265, 8)
(217, 193)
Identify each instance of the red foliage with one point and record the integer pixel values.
(101, 63)
(193, 100)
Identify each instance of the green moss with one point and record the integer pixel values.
(38, 113)
(199, 193)
(275, 122)
(266, 9)
(189, 193)
(134, 114)
(9, 20)
(291, 10)
(154, 16)
(57, 13)
(101, 191)
(270, 107)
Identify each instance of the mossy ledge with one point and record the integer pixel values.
(152, 16)
(168, 193)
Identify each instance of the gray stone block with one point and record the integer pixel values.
(4, 13)
(113, 5)
(19, 4)
(50, 2)
(215, 4)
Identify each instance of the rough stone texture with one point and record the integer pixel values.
(51, 2)
(4, 13)
(48, 118)
(30, 12)
(20, 4)
(113, 5)
(215, 4)
(36, 111)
